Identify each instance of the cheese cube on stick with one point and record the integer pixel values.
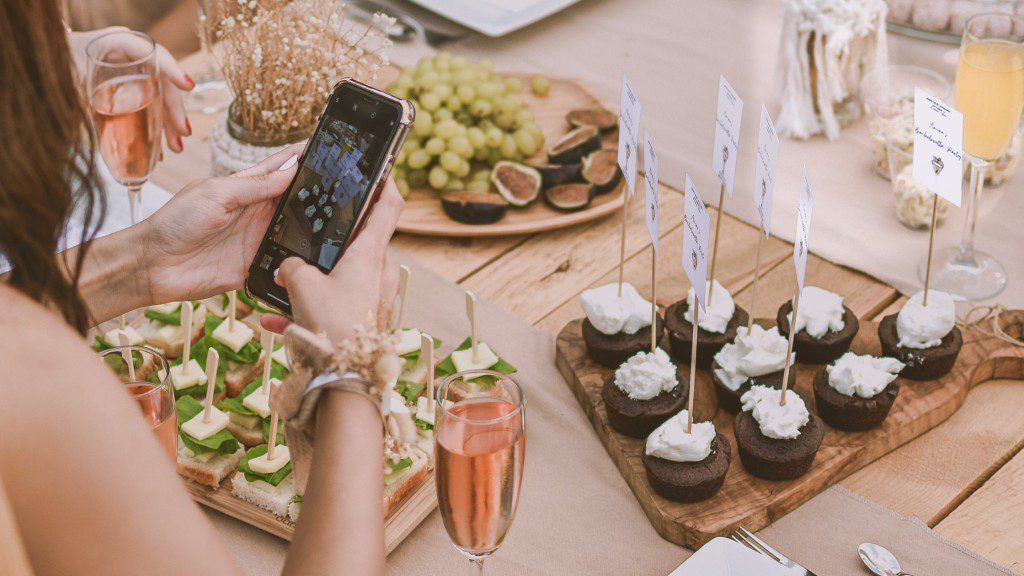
(233, 339)
(187, 375)
(259, 400)
(200, 430)
(485, 358)
(265, 465)
(409, 341)
(113, 337)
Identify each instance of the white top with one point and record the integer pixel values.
(755, 354)
(864, 376)
(646, 375)
(671, 442)
(820, 312)
(611, 314)
(713, 318)
(775, 420)
(918, 326)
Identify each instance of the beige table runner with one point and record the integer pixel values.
(576, 514)
(674, 51)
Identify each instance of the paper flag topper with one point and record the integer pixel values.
(651, 189)
(804, 209)
(696, 225)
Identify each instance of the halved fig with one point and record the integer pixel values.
(570, 197)
(575, 145)
(517, 183)
(599, 118)
(601, 168)
(473, 207)
(555, 174)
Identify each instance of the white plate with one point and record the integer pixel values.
(495, 17)
(724, 557)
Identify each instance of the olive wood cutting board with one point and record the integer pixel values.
(423, 214)
(755, 503)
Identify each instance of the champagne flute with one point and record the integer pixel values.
(149, 386)
(126, 101)
(480, 447)
(990, 94)
(211, 93)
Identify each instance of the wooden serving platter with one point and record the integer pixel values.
(423, 214)
(755, 503)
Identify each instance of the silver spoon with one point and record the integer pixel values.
(879, 560)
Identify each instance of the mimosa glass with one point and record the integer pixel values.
(480, 446)
(990, 94)
(149, 387)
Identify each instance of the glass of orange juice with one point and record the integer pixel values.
(146, 380)
(990, 94)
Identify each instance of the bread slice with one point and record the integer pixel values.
(208, 473)
(238, 375)
(293, 511)
(404, 482)
(172, 349)
(247, 435)
(274, 499)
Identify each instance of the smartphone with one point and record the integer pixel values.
(348, 157)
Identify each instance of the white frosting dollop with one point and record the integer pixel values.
(645, 375)
(611, 313)
(919, 326)
(671, 442)
(778, 421)
(820, 312)
(713, 318)
(755, 354)
(864, 376)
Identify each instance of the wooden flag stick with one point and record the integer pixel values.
(267, 343)
(232, 307)
(622, 243)
(127, 355)
(427, 355)
(654, 299)
(757, 272)
(122, 322)
(931, 247)
(186, 323)
(471, 313)
(693, 370)
(212, 359)
(272, 439)
(403, 289)
(789, 347)
(714, 249)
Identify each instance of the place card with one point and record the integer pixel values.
(651, 189)
(727, 134)
(696, 225)
(803, 229)
(764, 170)
(629, 133)
(938, 146)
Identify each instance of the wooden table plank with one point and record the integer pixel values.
(455, 258)
(996, 510)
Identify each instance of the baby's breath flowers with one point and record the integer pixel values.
(282, 57)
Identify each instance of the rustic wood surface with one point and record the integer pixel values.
(934, 477)
(423, 213)
(755, 503)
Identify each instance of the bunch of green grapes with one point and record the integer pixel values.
(465, 113)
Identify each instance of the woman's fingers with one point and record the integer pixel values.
(253, 189)
(171, 70)
(276, 161)
(372, 242)
(295, 272)
(274, 323)
(175, 120)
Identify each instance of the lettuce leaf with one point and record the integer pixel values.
(447, 367)
(423, 424)
(248, 354)
(170, 319)
(410, 390)
(222, 442)
(400, 465)
(243, 297)
(272, 479)
(266, 430)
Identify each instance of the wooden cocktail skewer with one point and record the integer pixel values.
(232, 308)
(427, 355)
(714, 249)
(789, 347)
(931, 246)
(212, 359)
(471, 313)
(127, 354)
(186, 324)
(122, 322)
(757, 272)
(403, 289)
(654, 299)
(693, 370)
(622, 244)
(267, 343)
(272, 439)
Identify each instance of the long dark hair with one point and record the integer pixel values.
(46, 167)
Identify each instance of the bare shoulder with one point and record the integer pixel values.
(32, 335)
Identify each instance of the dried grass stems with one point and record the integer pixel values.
(281, 57)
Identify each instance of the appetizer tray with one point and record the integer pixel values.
(423, 214)
(755, 503)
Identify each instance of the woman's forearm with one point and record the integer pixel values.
(114, 276)
(342, 525)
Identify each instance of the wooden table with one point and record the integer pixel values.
(960, 477)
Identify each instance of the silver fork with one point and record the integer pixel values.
(746, 538)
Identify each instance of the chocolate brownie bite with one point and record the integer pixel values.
(611, 350)
(865, 406)
(670, 471)
(729, 399)
(757, 357)
(644, 392)
(826, 326)
(617, 323)
(925, 338)
(777, 442)
(723, 314)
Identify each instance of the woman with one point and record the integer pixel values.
(83, 481)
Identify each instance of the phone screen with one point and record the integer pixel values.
(319, 211)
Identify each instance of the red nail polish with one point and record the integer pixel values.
(180, 145)
(191, 82)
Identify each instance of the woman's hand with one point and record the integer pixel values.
(202, 241)
(353, 292)
(172, 78)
